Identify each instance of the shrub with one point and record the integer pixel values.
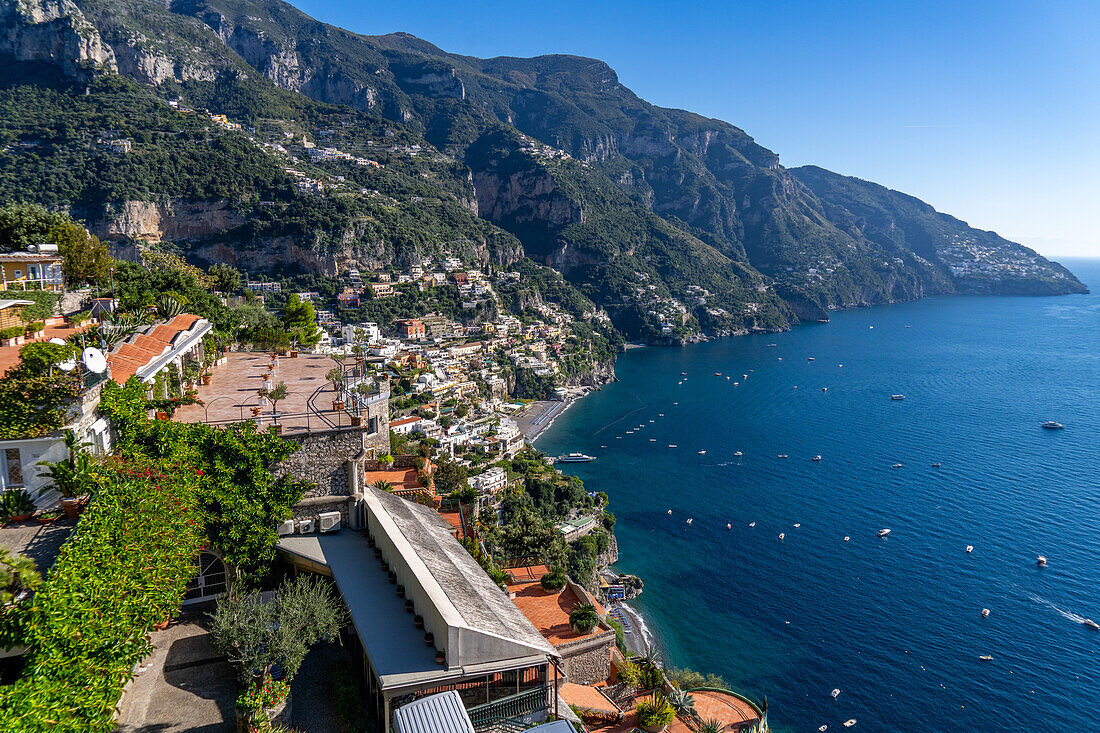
(583, 618)
(653, 711)
(629, 673)
(35, 326)
(40, 357)
(553, 581)
(35, 404)
(15, 503)
(124, 568)
(12, 332)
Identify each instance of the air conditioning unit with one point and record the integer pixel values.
(305, 526)
(330, 521)
(286, 528)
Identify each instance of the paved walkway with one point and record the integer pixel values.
(184, 685)
(40, 542)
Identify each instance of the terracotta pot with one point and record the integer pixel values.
(162, 415)
(293, 354)
(356, 420)
(74, 506)
(409, 605)
(418, 621)
(429, 639)
(337, 405)
(277, 429)
(161, 625)
(46, 520)
(19, 517)
(207, 378)
(440, 658)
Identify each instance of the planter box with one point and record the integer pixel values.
(75, 506)
(206, 379)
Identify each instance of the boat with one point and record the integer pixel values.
(670, 511)
(824, 389)
(883, 532)
(772, 346)
(986, 657)
(970, 548)
(809, 358)
(851, 721)
(729, 526)
(738, 454)
(1042, 561)
(736, 384)
(897, 397)
(797, 525)
(896, 465)
(1091, 624)
(659, 414)
(683, 374)
(752, 524)
(718, 374)
(744, 376)
(839, 366)
(985, 613)
(1051, 425)
(847, 538)
(835, 693)
(727, 379)
(702, 452)
(782, 535)
(816, 458)
(935, 465)
(781, 455)
(690, 520)
(652, 440)
(671, 445)
(575, 458)
(823, 728)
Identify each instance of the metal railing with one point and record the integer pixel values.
(514, 706)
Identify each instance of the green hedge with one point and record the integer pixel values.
(45, 302)
(12, 332)
(125, 568)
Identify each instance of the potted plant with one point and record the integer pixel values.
(583, 618)
(440, 657)
(653, 713)
(49, 516)
(16, 505)
(12, 336)
(409, 605)
(387, 461)
(400, 591)
(418, 621)
(553, 581)
(206, 377)
(18, 577)
(429, 638)
(72, 476)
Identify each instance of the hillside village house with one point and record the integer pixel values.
(37, 270)
(155, 348)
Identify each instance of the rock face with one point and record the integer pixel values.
(171, 221)
(523, 198)
(53, 31)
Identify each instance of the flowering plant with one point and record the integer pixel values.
(266, 695)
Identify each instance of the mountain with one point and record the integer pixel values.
(672, 222)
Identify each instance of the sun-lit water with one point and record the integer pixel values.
(894, 623)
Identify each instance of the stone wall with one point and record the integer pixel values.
(588, 660)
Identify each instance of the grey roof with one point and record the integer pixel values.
(10, 303)
(483, 607)
(441, 713)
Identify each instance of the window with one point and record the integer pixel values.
(12, 468)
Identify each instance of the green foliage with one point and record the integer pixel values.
(42, 356)
(620, 633)
(687, 679)
(45, 302)
(32, 405)
(584, 617)
(124, 568)
(553, 581)
(17, 575)
(226, 278)
(497, 575)
(263, 695)
(168, 307)
(84, 258)
(449, 476)
(258, 633)
(25, 224)
(653, 711)
(242, 503)
(681, 701)
(12, 332)
(300, 321)
(75, 472)
(15, 503)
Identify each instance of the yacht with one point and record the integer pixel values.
(847, 538)
(1042, 561)
(729, 526)
(985, 613)
(1092, 624)
(772, 346)
(782, 455)
(816, 458)
(575, 458)
(824, 389)
(1051, 425)
(718, 374)
(809, 358)
(896, 465)
(935, 465)
(702, 452)
(986, 658)
(691, 520)
(671, 445)
(738, 454)
(782, 536)
(835, 693)
(883, 532)
(752, 524)
(970, 548)
(897, 397)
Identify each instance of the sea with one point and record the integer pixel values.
(894, 623)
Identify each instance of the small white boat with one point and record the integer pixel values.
(781, 358)
(781, 455)
(1051, 425)
(797, 525)
(839, 366)
(816, 458)
(772, 346)
(809, 358)
(970, 548)
(683, 374)
(652, 440)
(846, 538)
(736, 384)
(680, 382)
(670, 511)
(823, 728)
(671, 445)
(727, 379)
(691, 520)
(935, 465)
(744, 376)
(883, 532)
(897, 397)
(718, 374)
(835, 693)
(659, 414)
(986, 657)
(738, 454)
(752, 524)
(1091, 624)
(652, 420)
(782, 536)
(985, 613)
(896, 465)
(824, 389)
(1042, 561)
(729, 526)
(795, 387)
(851, 721)
(702, 452)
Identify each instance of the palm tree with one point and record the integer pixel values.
(681, 702)
(651, 657)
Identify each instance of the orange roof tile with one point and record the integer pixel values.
(132, 355)
(549, 612)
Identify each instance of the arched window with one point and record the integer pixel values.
(211, 579)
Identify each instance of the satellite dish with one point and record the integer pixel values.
(56, 340)
(94, 360)
(69, 364)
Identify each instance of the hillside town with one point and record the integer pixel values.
(370, 484)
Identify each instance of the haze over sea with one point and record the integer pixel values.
(895, 623)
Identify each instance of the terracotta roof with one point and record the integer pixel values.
(549, 612)
(138, 351)
(588, 699)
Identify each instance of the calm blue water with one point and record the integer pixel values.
(894, 623)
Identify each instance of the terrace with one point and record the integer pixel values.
(233, 394)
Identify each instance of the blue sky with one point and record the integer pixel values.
(989, 111)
